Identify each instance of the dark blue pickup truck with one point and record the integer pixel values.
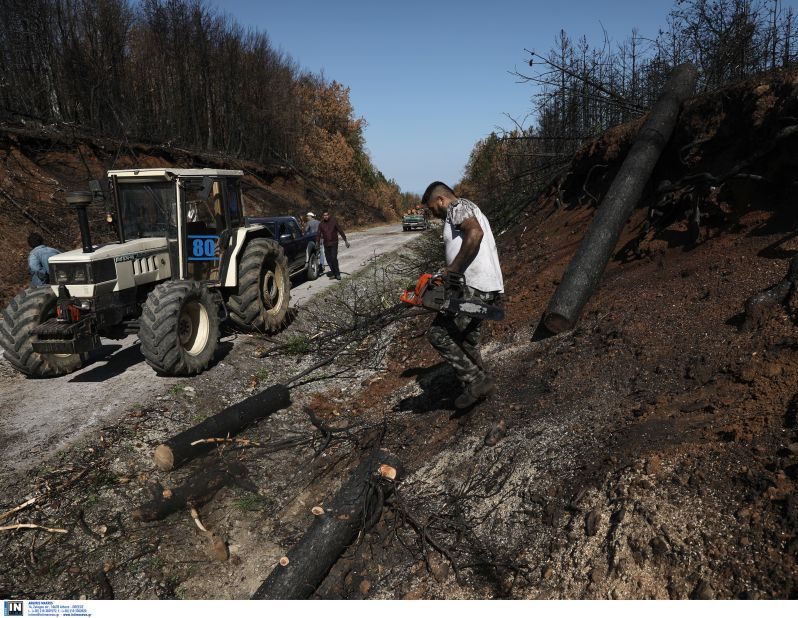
(299, 248)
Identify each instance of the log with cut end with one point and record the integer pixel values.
(230, 421)
(195, 491)
(357, 506)
(585, 269)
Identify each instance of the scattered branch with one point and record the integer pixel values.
(16, 509)
(33, 526)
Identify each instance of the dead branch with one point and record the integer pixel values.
(423, 532)
(239, 441)
(615, 97)
(33, 526)
(16, 509)
(217, 546)
(25, 212)
(587, 181)
(195, 516)
(85, 527)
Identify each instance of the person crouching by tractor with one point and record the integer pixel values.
(37, 260)
(473, 271)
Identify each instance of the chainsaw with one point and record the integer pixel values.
(431, 294)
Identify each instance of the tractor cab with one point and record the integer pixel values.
(197, 211)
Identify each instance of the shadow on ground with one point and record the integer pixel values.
(439, 387)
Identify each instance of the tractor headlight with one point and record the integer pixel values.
(69, 273)
(82, 273)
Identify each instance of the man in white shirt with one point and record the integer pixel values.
(473, 270)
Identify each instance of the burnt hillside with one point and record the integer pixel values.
(652, 452)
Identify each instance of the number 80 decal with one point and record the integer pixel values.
(202, 248)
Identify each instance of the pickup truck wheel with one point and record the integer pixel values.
(26, 311)
(312, 271)
(264, 288)
(179, 330)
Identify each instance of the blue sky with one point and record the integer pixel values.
(432, 78)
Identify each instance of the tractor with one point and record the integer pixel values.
(185, 260)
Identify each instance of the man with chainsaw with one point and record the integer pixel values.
(472, 273)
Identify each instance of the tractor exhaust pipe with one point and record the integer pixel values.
(80, 200)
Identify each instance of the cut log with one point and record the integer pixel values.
(591, 258)
(196, 491)
(356, 507)
(228, 422)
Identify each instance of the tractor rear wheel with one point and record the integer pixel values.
(26, 311)
(264, 288)
(179, 328)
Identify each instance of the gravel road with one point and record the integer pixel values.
(39, 417)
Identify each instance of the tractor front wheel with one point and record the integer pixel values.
(264, 288)
(25, 312)
(179, 328)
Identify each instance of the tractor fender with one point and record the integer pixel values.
(242, 236)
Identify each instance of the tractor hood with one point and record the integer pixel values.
(111, 268)
(131, 250)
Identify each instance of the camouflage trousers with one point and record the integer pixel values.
(456, 338)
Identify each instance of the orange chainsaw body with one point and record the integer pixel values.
(431, 294)
(416, 296)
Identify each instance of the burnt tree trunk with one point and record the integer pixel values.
(228, 422)
(194, 492)
(357, 506)
(583, 273)
(775, 295)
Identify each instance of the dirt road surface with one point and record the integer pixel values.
(365, 246)
(40, 417)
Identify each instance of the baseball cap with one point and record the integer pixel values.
(310, 214)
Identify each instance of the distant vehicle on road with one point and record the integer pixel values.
(299, 248)
(414, 222)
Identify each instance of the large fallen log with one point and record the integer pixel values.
(228, 422)
(194, 492)
(356, 507)
(583, 273)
